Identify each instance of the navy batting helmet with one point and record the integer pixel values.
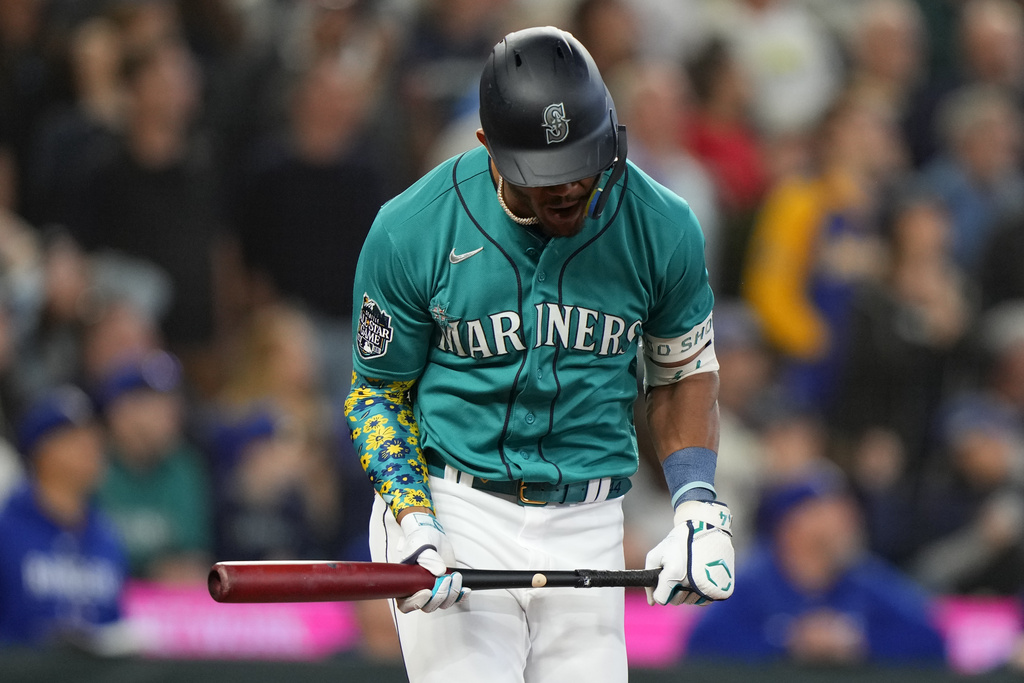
(547, 114)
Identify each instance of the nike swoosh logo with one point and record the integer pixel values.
(459, 258)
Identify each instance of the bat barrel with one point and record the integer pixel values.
(314, 581)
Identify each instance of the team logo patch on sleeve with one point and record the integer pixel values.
(374, 330)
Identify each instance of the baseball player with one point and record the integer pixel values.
(499, 305)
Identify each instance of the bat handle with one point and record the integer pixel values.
(479, 579)
(629, 578)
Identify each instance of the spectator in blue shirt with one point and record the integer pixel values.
(62, 569)
(811, 593)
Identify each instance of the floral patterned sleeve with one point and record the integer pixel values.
(386, 437)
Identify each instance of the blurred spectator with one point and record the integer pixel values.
(720, 131)
(793, 436)
(279, 449)
(794, 64)
(273, 500)
(444, 47)
(721, 134)
(117, 328)
(812, 594)
(887, 49)
(21, 287)
(816, 239)
(73, 139)
(62, 568)
(308, 203)
(11, 470)
(998, 343)
(672, 30)
(349, 32)
(971, 515)
(977, 171)
(156, 198)
(20, 249)
(276, 363)
(999, 275)
(144, 24)
(50, 341)
(906, 347)
(28, 79)
(75, 312)
(156, 487)
(653, 101)
(609, 30)
(986, 47)
(992, 43)
(254, 96)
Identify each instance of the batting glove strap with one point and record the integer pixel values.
(697, 559)
(446, 592)
(713, 513)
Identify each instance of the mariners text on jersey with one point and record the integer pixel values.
(570, 327)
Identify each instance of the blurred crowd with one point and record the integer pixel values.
(185, 186)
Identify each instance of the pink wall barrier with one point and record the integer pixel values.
(184, 622)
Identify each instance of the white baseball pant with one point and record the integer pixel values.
(537, 635)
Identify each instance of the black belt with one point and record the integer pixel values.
(535, 493)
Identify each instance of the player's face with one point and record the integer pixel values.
(561, 209)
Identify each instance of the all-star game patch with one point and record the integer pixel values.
(374, 331)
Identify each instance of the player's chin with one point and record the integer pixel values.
(564, 221)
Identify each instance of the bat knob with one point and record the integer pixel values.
(216, 582)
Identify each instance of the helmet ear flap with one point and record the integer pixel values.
(598, 198)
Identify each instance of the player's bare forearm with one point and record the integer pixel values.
(409, 510)
(684, 414)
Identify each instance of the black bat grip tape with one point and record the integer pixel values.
(482, 579)
(630, 578)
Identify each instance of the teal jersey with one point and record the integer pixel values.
(524, 350)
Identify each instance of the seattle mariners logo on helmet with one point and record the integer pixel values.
(556, 126)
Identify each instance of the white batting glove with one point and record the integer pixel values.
(696, 558)
(427, 545)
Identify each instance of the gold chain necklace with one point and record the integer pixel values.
(501, 200)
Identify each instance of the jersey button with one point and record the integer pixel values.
(529, 418)
(542, 276)
(531, 252)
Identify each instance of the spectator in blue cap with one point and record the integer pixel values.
(811, 593)
(267, 503)
(62, 569)
(157, 487)
(970, 524)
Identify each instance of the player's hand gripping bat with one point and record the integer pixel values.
(325, 581)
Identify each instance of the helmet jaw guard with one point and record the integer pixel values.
(545, 111)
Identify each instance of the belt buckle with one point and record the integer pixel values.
(526, 501)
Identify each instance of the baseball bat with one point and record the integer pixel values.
(325, 581)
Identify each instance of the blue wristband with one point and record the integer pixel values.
(690, 473)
